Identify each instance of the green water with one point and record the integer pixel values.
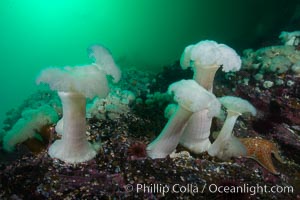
(146, 34)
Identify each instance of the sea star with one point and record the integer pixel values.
(260, 150)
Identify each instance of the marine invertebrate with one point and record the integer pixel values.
(137, 150)
(32, 121)
(275, 59)
(290, 38)
(268, 84)
(296, 68)
(191, 97)
(74, 85)
(136, 81)
(42, 96)
(117, 103)
(278, 64)
(41, 141)
(260, 150)
(169, 110)
(104, 61)
(227, 145)
(205, 57)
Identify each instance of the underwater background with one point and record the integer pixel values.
(147, 35)
(118, 116)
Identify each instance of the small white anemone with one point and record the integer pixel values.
(26, 127)
(227, 145)
(104, 60)
(290, 38)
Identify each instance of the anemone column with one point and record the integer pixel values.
(227, 145)
(73, 147)
(74, 85)
(167, 141)
(191, 98)
(195, 137)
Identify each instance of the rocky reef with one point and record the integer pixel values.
(133, 115)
